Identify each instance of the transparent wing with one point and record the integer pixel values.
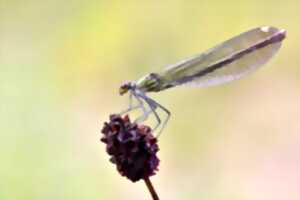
(228, 61)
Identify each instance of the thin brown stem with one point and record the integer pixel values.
(151, 188)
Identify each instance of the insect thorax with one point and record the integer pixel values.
(150, 83)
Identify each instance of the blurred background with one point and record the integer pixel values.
(61, 63)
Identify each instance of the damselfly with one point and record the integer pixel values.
(228, 61)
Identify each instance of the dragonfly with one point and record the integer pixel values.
(223, 63)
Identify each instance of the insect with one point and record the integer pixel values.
(225, 62)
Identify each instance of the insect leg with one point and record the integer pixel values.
(131, 107)
(145, 112)
(166, 120)
(153, 106)
(152, 102)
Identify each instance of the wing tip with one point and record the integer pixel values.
(281, 33)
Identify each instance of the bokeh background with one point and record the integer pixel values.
(61, 63)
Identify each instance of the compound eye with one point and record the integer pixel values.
(124, 88)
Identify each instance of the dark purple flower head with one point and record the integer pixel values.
(132, 147)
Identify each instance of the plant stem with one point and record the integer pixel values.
(151, 188)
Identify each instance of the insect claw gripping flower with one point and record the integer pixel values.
(132, 147)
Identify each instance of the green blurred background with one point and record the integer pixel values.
(61, 63)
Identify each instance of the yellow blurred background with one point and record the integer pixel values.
(61, 63)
